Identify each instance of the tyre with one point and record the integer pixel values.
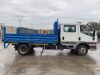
(82, 50)
(23, 49)
(32, 51)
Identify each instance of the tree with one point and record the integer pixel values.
(98, 26)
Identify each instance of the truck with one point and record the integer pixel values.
(78, 38)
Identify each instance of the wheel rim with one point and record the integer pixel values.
(23, 50)
(82, 50)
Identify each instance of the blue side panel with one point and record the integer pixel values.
(32, 38)
(35, 38)
(50, 38)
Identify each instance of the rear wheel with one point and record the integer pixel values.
(32, 51)
(23, 49)
(82, 50)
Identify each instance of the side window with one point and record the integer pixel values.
(69, 28)
(83, 28)
(86, 30)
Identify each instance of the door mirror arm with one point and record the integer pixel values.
(93, 28)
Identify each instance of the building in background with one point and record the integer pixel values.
(11, 29)
(1, 25)
(44, 31)
(0, 30)
(26, 30)
(33, 31)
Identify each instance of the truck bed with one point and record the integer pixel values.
(31, 38)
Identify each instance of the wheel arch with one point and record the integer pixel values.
(83, 44)
(16, 46)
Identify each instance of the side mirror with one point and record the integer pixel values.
(93, 28)
(93, 35)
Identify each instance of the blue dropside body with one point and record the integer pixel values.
(32, 38)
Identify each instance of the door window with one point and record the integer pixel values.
(69, 28)
(86, 30)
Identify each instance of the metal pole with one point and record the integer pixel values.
(20, 18)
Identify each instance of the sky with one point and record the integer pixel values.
(42, 13)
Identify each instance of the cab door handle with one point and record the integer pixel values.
(79, 38)
(63, 38)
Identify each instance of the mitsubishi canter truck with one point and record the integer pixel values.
(76, 37)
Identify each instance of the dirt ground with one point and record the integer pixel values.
(51, 62)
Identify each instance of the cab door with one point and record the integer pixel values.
(69, 34)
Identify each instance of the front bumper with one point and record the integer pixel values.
(93, 46)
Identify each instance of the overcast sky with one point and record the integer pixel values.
(42, 13)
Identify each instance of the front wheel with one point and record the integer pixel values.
(82, 50)
(23, 49)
